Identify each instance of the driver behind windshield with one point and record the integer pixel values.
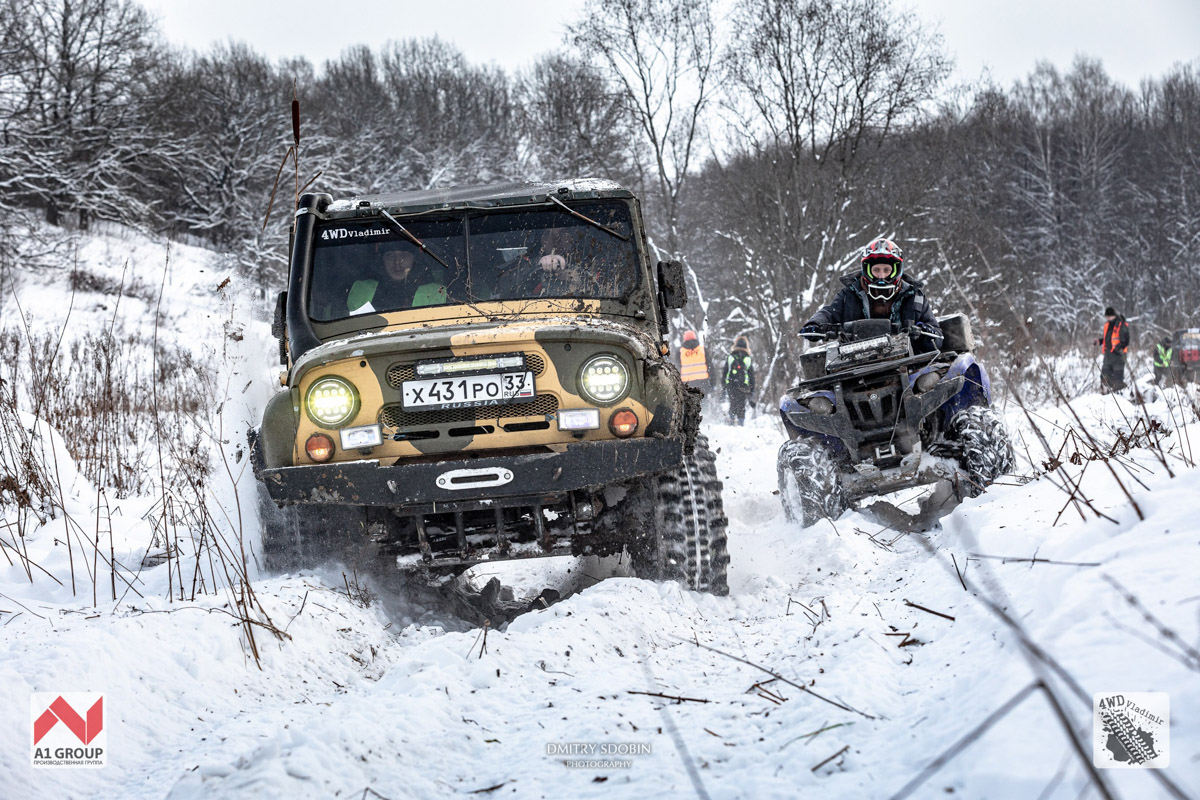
(881, 290)
(394, 284)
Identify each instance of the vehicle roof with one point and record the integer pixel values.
(500, 194)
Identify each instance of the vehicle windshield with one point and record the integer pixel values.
(369, 267)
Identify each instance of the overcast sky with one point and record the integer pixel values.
(1133, 38)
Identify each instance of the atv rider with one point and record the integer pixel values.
(881, 290)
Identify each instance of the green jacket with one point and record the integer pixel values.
(1162, 356)
(739, 371)
(363, 292)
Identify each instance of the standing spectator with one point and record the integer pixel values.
(1162, 361)
(693, 363)
(1114, 343)
(738, 379)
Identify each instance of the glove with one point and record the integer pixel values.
(928, 330)
(811, 332)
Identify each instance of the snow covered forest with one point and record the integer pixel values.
(145, 198)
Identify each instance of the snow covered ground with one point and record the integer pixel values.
(567, 702)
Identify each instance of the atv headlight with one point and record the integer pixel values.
(604, 380)
(926, 382)
(331, 401)
(819, 405)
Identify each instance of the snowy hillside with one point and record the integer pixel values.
(847, 658)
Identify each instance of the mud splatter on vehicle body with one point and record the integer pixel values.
(481, 374)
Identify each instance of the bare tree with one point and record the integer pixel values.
(572, 123)
(660, 56)
(74, 98)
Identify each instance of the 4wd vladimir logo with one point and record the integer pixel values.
(1131, 730)
(68, 729)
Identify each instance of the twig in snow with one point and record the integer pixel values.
(813, 735)
(676, 698)
(779, 677)
(958, 572)
(929, 610)
(831, 758)
(1036, 560)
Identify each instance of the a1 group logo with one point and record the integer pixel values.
(68, 729)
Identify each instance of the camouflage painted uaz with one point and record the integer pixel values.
(480, 374)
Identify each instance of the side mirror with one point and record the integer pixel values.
(672, 284)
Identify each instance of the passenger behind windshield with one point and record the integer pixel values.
(394, 282)
(550, 253)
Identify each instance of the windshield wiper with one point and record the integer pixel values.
(588, 220)
(408, 235)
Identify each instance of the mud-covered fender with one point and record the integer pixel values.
(789, 405)
(976, 390)
(277, 436)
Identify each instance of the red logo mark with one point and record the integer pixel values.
(61, 711)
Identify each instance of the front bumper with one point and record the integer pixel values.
(867, 480)
(472, 482)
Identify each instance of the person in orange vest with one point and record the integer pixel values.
(693, 363)
(1114, 343)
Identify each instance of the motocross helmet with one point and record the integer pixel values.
(881, 284)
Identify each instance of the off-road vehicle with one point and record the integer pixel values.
(871, 417)
(481, 374)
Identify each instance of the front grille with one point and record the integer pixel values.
(394, 415)
(868, 413)
(399, 373)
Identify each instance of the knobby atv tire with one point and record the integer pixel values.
(987, 452)
(685, 535)
(809, 486)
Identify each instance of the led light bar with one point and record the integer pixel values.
(858, 347)
(471, 365)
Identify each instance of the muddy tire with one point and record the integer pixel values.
(986, 451)
(305, 536)
(683, 528)
(809, 487)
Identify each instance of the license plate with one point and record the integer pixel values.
(470, 390)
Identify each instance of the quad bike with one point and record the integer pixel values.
(871, 417)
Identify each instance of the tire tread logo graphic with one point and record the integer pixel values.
(1131, 730)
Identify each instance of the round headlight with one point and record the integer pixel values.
(604, 380)
(820, 405)
(331, 401)
(926, 382)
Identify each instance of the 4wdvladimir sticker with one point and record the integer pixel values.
(1131, 730)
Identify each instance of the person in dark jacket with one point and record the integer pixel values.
(1114, 343)
(881, 290)
(738, 379)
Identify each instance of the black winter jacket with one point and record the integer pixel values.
(909, 308)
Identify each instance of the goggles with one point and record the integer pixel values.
(881, 272)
